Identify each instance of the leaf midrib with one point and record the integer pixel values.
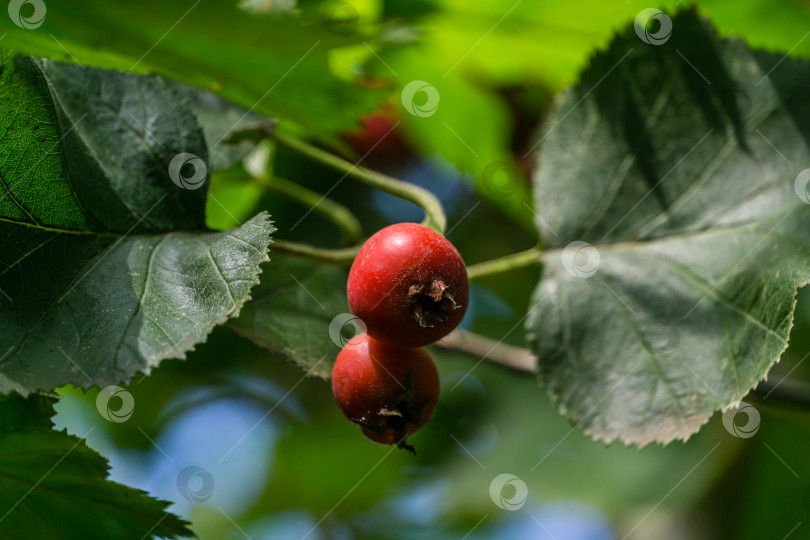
(101, 234)
(632, 323)
(706, 286)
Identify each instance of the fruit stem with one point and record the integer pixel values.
(342, 256)
(337, 213)
(505, 264)
(434, 213)
(516, 358)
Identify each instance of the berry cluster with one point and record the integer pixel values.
(409, 286)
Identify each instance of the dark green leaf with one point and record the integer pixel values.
(679, 163)
(106, 267)
(53, 486)
(272, 65)
(299, 310)
(230, 131)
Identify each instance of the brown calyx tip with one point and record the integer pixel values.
(431, 303)
(403, 445)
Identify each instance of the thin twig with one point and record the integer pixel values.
(505, 264)
(517, 358)
(340, 257)
(434, 213)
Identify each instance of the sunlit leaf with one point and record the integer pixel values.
(672, 203)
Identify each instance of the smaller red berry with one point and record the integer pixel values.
(409, 286)
(378, 138)
(389, 392)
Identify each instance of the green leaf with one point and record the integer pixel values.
(299, 310)
(233, 197)
(547, 43)
(52, 485)
(476, 144)
(774, 25)
(678, 164)
(544, 42)
(230, 131)
(106, 266)
(271, 65)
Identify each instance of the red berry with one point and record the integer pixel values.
(408, 285)
(389, 392)
(378, 138)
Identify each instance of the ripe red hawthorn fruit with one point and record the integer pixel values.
(378, 138)
(389, 392)
(408, 285)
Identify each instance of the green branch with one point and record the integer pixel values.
(505, 264)
(497, 352)
(335, 212)
(434, 213)
(341, 257)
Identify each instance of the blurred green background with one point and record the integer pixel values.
(284, 462)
